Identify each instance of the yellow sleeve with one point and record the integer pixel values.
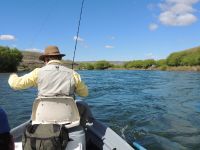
(80, 87)
(25, 81)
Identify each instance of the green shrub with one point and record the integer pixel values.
(117, 66)
(9, 59)
(189, 57)
(140, 64)
(163, 68)
(148, 63)
(161, 62)
(100, 65)
(90, 66)
(87, 66)
(175, 59)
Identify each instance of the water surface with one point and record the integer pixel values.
(160, 110)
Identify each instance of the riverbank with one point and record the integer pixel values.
(163, 68)
(30, 61)
(181, 68)
(171, 63)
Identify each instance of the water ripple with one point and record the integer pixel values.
(160, 110)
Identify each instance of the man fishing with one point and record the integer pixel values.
(53, 79)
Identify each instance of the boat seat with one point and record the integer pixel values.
(55, 110)
(60, 110)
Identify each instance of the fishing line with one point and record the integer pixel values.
(77, 33)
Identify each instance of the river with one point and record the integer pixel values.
(159, 109)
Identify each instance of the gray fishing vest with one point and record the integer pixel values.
(55, 80)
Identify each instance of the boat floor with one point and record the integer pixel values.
(89, 146)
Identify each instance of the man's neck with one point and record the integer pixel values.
(54, 62)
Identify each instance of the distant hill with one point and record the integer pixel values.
(188, 57)
(112, 62)
(31, 61)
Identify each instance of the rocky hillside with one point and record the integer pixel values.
(31, 61)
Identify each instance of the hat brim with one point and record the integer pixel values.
(43, 56)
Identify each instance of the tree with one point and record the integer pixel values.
(82, 66)
(87, 66)
(148, 63)
(101, 65)
(189, 57)
(9, 59)
(174, 59)
(161, 62)
(140, 64)
(90, 66)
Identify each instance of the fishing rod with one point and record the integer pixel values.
(77, 33)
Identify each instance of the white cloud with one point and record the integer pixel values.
(33, 50)
(109, 46)
(153, 26)
(7, 37)
(177, 12)
(78, 39)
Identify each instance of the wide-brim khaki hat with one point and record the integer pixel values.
(50, 51)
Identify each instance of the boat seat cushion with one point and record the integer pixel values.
(55, 110)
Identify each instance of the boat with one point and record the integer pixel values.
(98, 135)
(95, 136)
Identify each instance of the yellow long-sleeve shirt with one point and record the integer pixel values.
(30, 80)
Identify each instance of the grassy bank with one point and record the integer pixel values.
(165, 68)
(180, 68)
(186, 60)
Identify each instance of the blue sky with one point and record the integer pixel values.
(110, 29)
